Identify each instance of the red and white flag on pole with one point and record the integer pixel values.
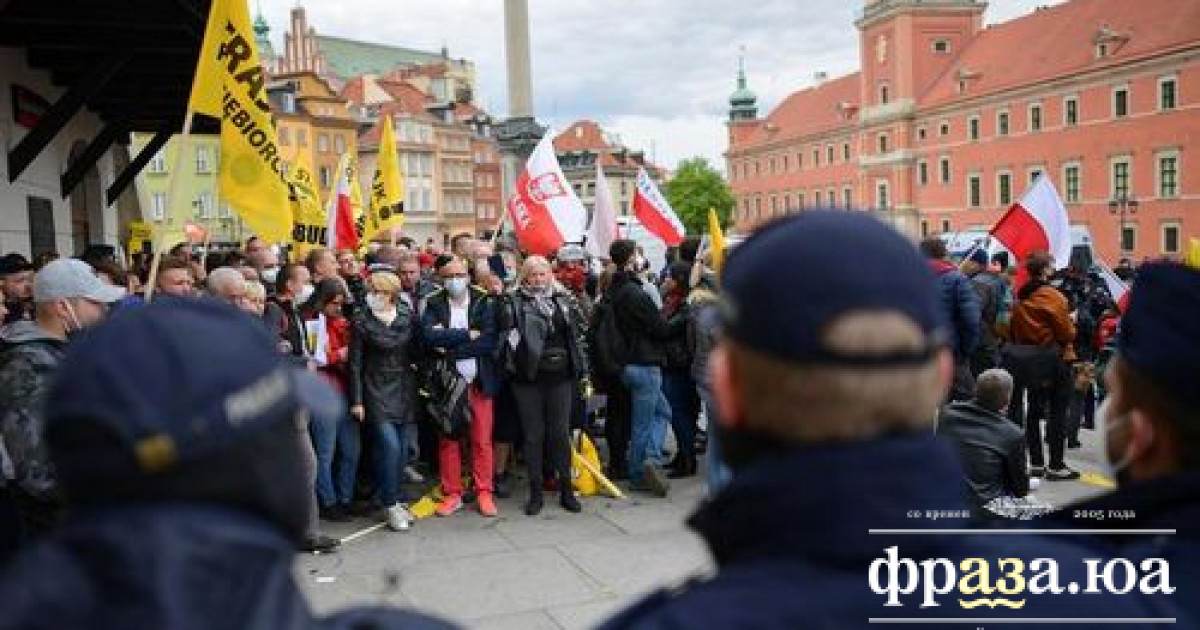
(603, 229)
(544, 210)
(1038, 221)
(655, 214)
(341, 232)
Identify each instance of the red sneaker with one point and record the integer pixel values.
(487, 505)
(449, 505)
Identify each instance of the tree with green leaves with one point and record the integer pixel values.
(695, 188)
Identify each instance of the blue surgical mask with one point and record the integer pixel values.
(456, 287)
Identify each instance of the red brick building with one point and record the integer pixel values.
(947, 122)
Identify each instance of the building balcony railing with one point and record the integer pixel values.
(881, 113)
(886, 159)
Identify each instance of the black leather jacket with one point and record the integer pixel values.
(992, 450)
(381, 372)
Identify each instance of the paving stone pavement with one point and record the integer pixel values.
(554, 571)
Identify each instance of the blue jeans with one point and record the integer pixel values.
(718, 473)
(391, 455)
(649, 417)
(336, 487)
(680, 390)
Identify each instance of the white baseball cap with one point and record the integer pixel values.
(71, 278)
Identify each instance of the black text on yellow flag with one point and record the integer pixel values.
(230, 84)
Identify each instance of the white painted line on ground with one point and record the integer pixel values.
(363, 532)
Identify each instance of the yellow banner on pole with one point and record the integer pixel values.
(716, 241)
(230, 85)
(308, 216)
(386, 209)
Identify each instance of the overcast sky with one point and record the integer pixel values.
(656, 72)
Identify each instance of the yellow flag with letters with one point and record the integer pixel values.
(1193, 256)
(386, 209)
(308, 215)
(716, 241)
(230, 85)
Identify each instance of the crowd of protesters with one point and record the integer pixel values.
(457, 366)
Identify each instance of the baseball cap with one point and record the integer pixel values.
(175, 381)
(14, 263)
(1160, 331)
(795, 276)
(70, 278)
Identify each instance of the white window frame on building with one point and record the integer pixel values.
(829, 154)
(301, 138)
(944, 128)
(883, 143)
(923, 173)
(1171, 226)
(831, 195)
(974, 190)
(1004, 188)
(204, 205)
(158, 163)
(1035, 117)
(847, 197)
(924, 228)
(941, 46)
(973, 128)
(1115, 190)
(921, 133)
(1120, 101)
(800, 200)
(1003, 123)
(322, 143)
(1161, 181)
(816, 157)
(1070, 111)
(339, 144)
(202, 163)
(846, 151)
(818, 199)
(1075, 193)
(1034, 172)
(324, 177)
(1129, 238)
(883, 194)
(158, 206)
(884, 94)
(945, 226)
(945, 173)
(1163, 92)
(774, 205)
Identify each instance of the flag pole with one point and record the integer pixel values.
(499, 225)
(172, 190)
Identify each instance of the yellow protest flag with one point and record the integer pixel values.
(230, 85)
(716, 241)
(308, 215)
(1193, 255)
(386, 209)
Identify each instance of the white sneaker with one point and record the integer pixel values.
(398, 518)
(412, 476)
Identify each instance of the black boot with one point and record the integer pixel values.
(534, 506)
(685, 467)
(569, 501)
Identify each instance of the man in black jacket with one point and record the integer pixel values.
(643, 330)
(991, 446)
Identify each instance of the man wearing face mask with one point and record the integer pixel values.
(68, 297)
(1149, 430)
(292, 291)
(459, 322)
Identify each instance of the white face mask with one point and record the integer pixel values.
(270, 274)
(377, 303)
(306, 294)
(1105, 423)
(456, 287)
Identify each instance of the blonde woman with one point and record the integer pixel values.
(382, 392)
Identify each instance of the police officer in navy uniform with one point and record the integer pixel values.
(1149, 430)
(827, 378)
(173, 431)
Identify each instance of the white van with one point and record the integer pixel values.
(959, 244)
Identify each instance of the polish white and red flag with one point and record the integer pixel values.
(603, 229)
(1037, 222)
(544, 210)
(341, 232)
(654, 213)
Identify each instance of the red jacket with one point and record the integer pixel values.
(337, 351)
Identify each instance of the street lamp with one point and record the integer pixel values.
(1122, 205)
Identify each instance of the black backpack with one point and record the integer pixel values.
(606, 341)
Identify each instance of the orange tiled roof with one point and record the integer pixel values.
(355, 90)
(806, 112)
(587, 135)
(1058, 41)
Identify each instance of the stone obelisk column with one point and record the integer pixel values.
(519, 133)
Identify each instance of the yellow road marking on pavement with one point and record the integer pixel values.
(1098, 480)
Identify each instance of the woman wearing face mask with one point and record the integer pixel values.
(382, 386)
(335, 488)
(546, 363)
